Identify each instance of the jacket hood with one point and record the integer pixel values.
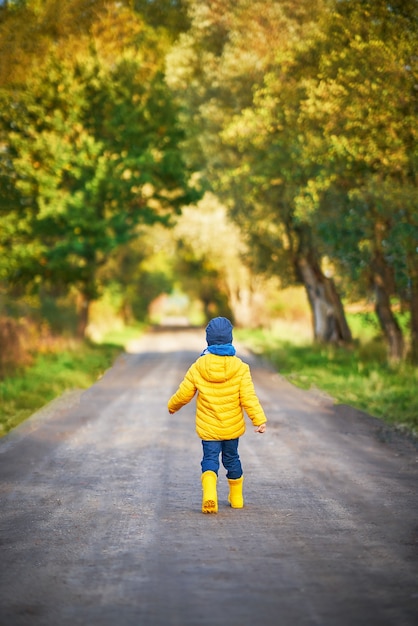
(218, 369)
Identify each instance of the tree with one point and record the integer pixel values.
(233, 61)
(305, 147)
(358, 117)
(213, 245)
(31, 29)
(140, 271)
(90, 150)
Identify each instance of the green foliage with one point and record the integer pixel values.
(30, 29)
(148, 287)
(309, 135)
(90, 149)
(141, 270)
(211, 256)
(171, 15)
(74, 368)
(359, 377)
(299, 115)
(203, 280)
(122, 336)
(358, 112)
(253, 144)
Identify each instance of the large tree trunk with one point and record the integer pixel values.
(388, 322)
(329, 322)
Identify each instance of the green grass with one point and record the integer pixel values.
(123, 336)
(358, 376)
(50, 375)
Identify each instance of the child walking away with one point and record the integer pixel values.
(224, 390)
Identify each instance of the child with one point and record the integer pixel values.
(224, 386)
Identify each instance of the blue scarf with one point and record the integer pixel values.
(223, 349)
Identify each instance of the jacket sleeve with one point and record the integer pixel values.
(249, 400)
(184, 393)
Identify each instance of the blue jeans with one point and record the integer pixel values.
(230, 457)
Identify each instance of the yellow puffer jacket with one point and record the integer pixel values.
(225, 388)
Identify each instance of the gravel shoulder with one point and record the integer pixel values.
(100, 509)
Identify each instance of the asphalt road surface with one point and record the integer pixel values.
(100, 520)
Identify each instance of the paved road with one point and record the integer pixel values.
(100, 520)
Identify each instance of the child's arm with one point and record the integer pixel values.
(183, 395)
(251, 403)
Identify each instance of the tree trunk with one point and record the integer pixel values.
(388, 322)
(83, 306)
(329, 322)
(414, 313)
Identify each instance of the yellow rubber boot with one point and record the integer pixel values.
(210, 497)
(235, 497)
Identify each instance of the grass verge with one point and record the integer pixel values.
(357, 376)
(77, 367)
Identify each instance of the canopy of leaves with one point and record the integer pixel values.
(89, 150)
(299, 115)
(306, 128)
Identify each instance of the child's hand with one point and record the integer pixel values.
(261, 428)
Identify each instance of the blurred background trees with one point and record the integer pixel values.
(306, 131)
(90, 145)
(284, 130)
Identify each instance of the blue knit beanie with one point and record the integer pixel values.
(219, 331)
